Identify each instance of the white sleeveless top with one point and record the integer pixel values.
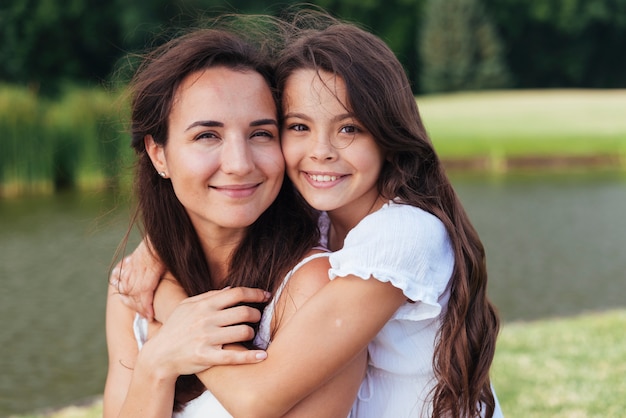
(206, 404)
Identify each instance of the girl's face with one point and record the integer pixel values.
(223, 152)
(332, 160)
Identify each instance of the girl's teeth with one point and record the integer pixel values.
(316, 177)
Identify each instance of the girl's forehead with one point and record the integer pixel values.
(315, 87)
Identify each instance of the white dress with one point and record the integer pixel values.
(409, 248)
(207, 405)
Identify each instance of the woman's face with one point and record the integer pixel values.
(223, 152)
(332, 159)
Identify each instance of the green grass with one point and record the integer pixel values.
(557, 368)
(568, 367)
(527, 122)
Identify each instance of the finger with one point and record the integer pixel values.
(226, 356)
(124, 276)
(145, 303)
(114, 277)
(233, 296)
(229, 335)
(237, 315)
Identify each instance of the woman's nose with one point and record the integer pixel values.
(237, 157)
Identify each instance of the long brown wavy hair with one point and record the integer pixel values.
(273, 244)
(380, 96)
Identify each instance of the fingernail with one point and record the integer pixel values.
(267, 294)
(261, 355)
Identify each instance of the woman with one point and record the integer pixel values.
(213, 201)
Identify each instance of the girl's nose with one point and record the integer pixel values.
(321, 148)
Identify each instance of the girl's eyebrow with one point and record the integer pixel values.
(336, 118)
(216, 124)
(296, 115)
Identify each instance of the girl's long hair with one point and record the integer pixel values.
(380, 96)
(273, 244)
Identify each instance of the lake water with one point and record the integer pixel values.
(555, 246)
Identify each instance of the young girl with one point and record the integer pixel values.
(408, 270)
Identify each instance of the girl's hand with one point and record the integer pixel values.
(136, 277)
(192, 339)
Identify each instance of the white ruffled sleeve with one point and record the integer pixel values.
(405, 246)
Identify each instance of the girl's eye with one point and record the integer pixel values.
(298, 127)
(349, 129)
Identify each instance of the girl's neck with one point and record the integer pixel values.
(342, 220)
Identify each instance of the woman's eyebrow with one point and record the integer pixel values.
(262, 122)
(206, 123)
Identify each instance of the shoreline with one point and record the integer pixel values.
(503, 164)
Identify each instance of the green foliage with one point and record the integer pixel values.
(459, 48)
(48, 43)
(395, 21)
(563, 43)
(51, 145)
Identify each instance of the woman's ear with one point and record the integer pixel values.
(156, 153)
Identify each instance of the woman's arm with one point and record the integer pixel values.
(321, 344)
(123, 351)
(141, 383)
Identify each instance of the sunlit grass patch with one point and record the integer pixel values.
(571, 367)
(527, 122)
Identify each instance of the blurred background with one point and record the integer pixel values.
(524, 101)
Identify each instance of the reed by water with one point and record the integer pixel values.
(76, 140)
(80, 138)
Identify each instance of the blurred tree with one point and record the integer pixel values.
(564, 43)
(46, 43)
(459, 48)
(395, 21)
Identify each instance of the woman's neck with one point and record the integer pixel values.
(218, 247)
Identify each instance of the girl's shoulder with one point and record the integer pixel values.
(397, 221)
(401, 244)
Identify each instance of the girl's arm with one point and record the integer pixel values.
(312, 351)
(137, 277)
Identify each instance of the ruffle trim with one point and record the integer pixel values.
(424, 302)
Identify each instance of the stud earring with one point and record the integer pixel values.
(162, 174)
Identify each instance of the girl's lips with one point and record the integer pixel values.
(323, 179)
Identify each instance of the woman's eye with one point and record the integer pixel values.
(206, 135)
(263, 136)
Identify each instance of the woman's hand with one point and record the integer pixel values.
(136, 277)
(193, 337)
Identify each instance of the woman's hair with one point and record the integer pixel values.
(273, 244)
(379, 94)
